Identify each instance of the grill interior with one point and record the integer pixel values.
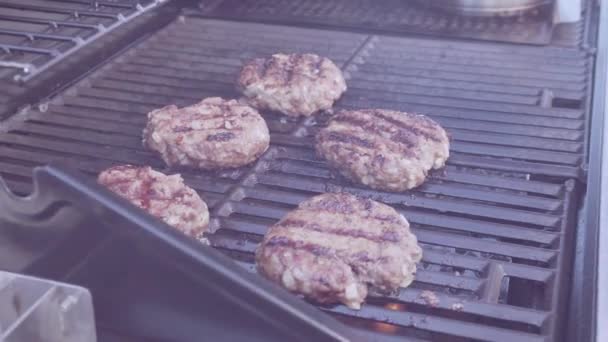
(34, 35)
(410, 17)
(496, 225)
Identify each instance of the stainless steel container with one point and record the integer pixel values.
(487, 7)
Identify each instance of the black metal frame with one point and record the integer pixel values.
(584, 318)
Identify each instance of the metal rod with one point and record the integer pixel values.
(97, 4)
(25, 67)
(9, 48)
(33, 36)
(74, 13)
(52, 23)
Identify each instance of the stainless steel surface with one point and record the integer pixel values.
(487, 7)
(601, 332)
(36, 310)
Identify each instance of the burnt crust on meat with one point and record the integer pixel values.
(162, 196)
(293, 84)
(212, 134)
(383, 149)
(334, 246)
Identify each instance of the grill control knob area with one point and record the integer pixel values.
(36, 310)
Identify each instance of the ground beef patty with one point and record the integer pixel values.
(333, 246)
(212, 134)
(383, 149)
(295, 84)
(166, 197)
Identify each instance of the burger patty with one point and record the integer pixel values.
(212, 134)
(383, 149)
(335, 245)
(162, 196)
(294, 84)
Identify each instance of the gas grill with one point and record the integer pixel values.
(499, 226)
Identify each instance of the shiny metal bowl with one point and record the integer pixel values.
(486, 7)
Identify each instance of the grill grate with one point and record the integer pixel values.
(496, 225)
(394, 16)
(35, 35)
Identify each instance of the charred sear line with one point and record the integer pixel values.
(387, 218)
(294, 61)
(317, 64)
(222, 136)
(409, 127)
(321, 251)
(283, 241)
(223, 112)
(266, 66)
(400, 137)
(146, 187)
(365, 258)
(365, 202)
(182, 129)
(386, 236)
(348, 139)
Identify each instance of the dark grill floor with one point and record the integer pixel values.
(496, 225)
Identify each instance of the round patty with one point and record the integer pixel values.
(162, 196)
(295, 84)
(212, 134)
(383, 149)
(335, 245)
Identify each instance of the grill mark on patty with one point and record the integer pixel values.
(347, 138)
(410, 127)
(386, 236)
(318, 250)
(317, 66)
(186, 129)
(292, 62)
(266, 65)
(354, 154)
(144, 192)
(222, 136)
(283, 241)
(400, 137)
